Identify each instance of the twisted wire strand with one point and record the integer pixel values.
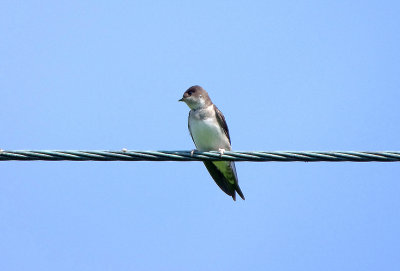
(240, 156)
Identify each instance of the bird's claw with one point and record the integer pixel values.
(221, 151)
(192, 152)
(124, 150)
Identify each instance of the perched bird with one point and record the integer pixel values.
(210, 132)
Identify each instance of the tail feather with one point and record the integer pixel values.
(239, 191)
(222, 181)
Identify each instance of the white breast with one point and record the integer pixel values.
(207, 134)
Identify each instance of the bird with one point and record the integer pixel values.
(209, 132)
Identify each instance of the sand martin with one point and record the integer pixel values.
(210, 132)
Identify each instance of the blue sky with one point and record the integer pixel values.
(288, 75)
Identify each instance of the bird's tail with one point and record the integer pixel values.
(226, 185)
(239, 191)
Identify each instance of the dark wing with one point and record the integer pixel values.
(222, 122)
(229, 184)
(220, 179)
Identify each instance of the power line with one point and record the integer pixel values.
(250, 156)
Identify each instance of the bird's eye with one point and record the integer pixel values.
(190, 93)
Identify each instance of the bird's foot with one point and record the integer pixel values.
(192, 152)
(221, 151)
(124, 150)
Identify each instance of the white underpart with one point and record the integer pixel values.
(207, 134)
(196, 104)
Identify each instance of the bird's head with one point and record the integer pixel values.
(196, 97)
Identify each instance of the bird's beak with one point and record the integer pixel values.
(181, 100)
